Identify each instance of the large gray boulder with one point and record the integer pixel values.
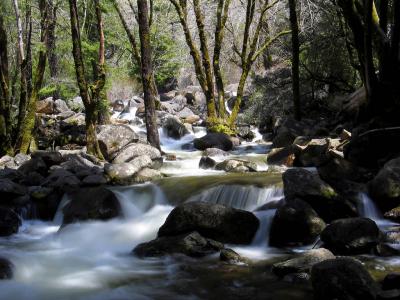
(174, 128)
(45, 106)
(236, 166)
(302, 263)
(6, 269)
(214, 221)
(344, 279)
(214, 140)
(113, 138)
(134, 150)
(385, 187)
(9, 221)
(96, 203)
(351, 236)
(294, 224)
(314, 154)
(191, 244)
(60, 106)
(305, 185)
(123, 173)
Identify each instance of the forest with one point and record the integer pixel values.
(199, 149)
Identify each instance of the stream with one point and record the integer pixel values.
(93, 260)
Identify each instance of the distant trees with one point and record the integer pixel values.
(208, 68)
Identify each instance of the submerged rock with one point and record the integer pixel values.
(190, 244)
(229, 256)
(342, 278)
(295, 223)
(96, 203)
(351, 236)
(214, 140)
(6, 269)
(302, 263)
(9, 221)
(214, 221)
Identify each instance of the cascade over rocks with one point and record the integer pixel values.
(214, 221)
(214, 140)
(295, 223)
(351, 236)
(9, 221)
(342, 278)
(308, 186)
(6, 269)
(302, 263)
(191, 244)
(113, 138)
(97, 203)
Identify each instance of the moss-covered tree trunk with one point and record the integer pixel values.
(147, 74)
(5, 104)
(51, 47)
(92, 144)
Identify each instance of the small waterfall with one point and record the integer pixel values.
(138, 199)
(262, 235)
(247, 197)
(368, 209)
(59, 216)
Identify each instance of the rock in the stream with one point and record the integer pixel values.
(113, 138)
(231, 257)
(9, 221)
(393, 214)
(147, 174)
(173, 128)
(344, 279)
(63, 180)
(123, 173)
(207, 163)
(97, 203)
(10, 190)
(191, 244)
(50, 158)
(281, 156)
(385, 187)
(211, 152)
(214, 221)
(6, 269)
(302, 263)
(391, 281)
(237, 166)
(314, 154)
(134, 150)
(305, 185)
(351, 236)
(295, 223)
(214, 140)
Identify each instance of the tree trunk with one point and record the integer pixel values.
(92, 144)
(147, 74)
(5, 104)
(295, 59)
(51, 47)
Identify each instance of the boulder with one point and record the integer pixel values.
(207, 163)
(123, 173)
(236, 165)
(245, 133)
(192, 119)
(7, 162)
(342, 278)
(302, 263)
(295, 223)
(385, 187)
(9, 221)
(62, 180)
(281, 156)
(391, 281)
(113, 138)
(191, 244)
(231, 257)
(211, 152)
(173, 128)
(76, 104)
(50, 158)
(287, 132)
(6, 269)
(45, 106)
(10, 190)
(20, 158)
(305, 185)
(97, 203)
(214, 221)
(134, 150)
(314, 154)
(60, 106)
(393, 214)
(185, 113)
(351, 236)
(34, 165)
(147, 174)
(214, 140)
(373, 148)
(94, 179)
(75, 120)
